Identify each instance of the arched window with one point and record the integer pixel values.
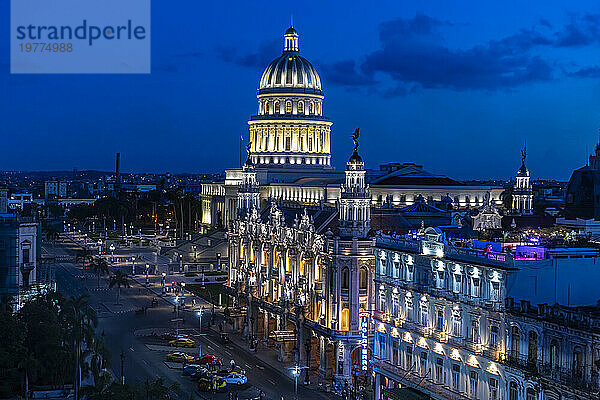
(554, 355)
(363, 277)
(300, 107)
(311, 109)
(578, 362)
(345, 278)
(513, 391)
(515, 342)
(532, 348)
(288, 107)
(277, 107)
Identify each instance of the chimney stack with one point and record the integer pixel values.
(118, 173)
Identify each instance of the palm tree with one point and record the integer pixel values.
(101, 390)
(100, 267)
(157, 390)
(82, 321)
(119, 279)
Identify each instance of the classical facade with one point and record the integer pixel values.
(290, 150)
(301, 276)
(446, 323)
(553, 352)
(438, 321)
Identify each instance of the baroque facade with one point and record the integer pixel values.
(302, 287)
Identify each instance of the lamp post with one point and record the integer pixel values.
(182, 292)
(112, 252)
(147, 281)
(180, 263)
(200, 319)
(99, 247)
(133, 266)
(164, 288)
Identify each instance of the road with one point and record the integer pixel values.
(128, 333)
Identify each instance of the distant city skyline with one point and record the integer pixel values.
(455, 88)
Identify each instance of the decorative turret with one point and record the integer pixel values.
(248, 191)
(355, 198)
(522, 195)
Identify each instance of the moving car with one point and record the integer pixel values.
(173, 336)
(182, 342)
(210, 359)
(235, 378)
(180, 357)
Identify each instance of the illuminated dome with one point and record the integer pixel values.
(290, 70)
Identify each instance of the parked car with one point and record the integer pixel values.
(201, 373)
(191, 369)
(235, 378)
(182, 342)
(180, 357)
(214, 384)
(173, 336)
(225, 338)
(210, 359)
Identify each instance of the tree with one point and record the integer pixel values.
(82, 321)
(119, 279)
(157, 390)
(101, 390)
(100, 267)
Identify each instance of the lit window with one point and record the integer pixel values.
(288, 107)
(300, 107)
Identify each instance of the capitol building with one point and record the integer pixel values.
(301, 234)
(290, 149)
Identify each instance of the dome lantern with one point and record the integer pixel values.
(290, 40)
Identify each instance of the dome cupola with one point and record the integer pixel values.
(290, 70)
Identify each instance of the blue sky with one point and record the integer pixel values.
(455, 86)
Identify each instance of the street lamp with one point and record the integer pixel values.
(112, 252)
(199, 313)
(99, 247)
(133, 266)
(182, 292)
(147, 281)
(164, 289)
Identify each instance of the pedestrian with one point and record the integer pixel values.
(261, 395)
(232, 363)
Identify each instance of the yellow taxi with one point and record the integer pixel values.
(180, 357)
(182, 342)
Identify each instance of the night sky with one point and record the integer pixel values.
(455, 86)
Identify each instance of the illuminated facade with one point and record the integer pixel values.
(439, 323)
(290, 150)
(289, 128)
(522, 194)
(301, 286)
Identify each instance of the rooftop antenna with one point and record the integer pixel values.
(292, 20)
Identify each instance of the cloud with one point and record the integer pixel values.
(582, 30)
(413, 51)
(261, 58)
(587, 72)
(345, 73)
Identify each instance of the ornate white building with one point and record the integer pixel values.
(522, 194)
(299, 285)
(290, 150)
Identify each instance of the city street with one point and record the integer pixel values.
(134, 335)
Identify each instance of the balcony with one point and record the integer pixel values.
(568, 377)
(412, 379)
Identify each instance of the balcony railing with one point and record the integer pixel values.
(412, 379)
